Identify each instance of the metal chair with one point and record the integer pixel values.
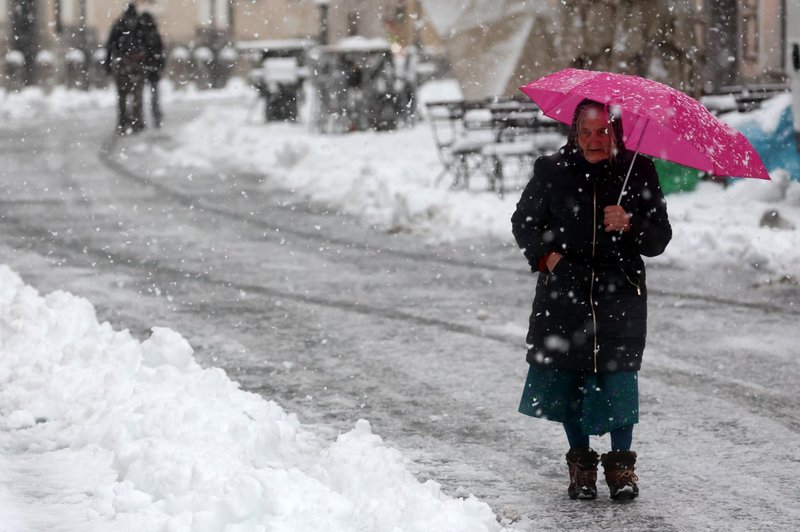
(460, 130)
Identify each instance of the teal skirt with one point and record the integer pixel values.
(599, 402)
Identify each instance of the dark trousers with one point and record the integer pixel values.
(621, 438)
(130, 87)
(155, 105)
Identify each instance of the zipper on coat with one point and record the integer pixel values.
(591, 284)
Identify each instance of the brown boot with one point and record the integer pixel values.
(582, 473)
(618, 467)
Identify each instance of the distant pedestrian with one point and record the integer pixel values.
(588, 325)
(126, 61)
(154, 62)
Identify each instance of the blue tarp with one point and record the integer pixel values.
(777, 149)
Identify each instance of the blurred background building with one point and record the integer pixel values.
(696, 45)
(490, 46)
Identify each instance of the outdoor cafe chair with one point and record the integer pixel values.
(460, 129)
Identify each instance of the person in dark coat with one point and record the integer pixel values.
(154, 62)
(588, 325)
(125, 60)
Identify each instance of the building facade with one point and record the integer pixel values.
(37, 31)
(744, 42)
(493, 46)
(696, 45)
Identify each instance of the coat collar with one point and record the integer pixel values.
(591, 170)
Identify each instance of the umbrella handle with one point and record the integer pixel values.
(635, 153)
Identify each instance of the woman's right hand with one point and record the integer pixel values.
(552, 260)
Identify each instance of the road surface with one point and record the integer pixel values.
(337, 321)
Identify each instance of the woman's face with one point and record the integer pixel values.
(594, 139)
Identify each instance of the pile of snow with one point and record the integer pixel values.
(390, 180)
(767, 116)
(716, 227)
(387, 179)
(35, 102)
(109, 433)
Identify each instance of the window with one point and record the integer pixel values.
(352, 23)
(750, 30)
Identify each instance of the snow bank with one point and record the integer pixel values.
(34, 102)
(136, 436)
(389, 180)
(386, 179)
(767, 116)
(720, 228)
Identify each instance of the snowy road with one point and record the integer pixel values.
(336, 321)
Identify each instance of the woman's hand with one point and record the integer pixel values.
(616, 219)
(552, 260)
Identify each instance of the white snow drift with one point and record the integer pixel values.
(99, 431)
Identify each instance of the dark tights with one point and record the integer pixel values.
(621, 438)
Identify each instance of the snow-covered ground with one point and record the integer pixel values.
(152, 441)
(34, 102)
(388, 179)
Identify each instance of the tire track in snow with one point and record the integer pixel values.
(107, 157)
(193, 202)
(678, 378)
(766, 404)
(159, 269)
(770, 405)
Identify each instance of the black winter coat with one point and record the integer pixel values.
(590, 312)
(125, 47)
(154, 60)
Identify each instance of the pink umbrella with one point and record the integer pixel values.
(656, 119)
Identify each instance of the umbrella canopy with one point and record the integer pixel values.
(656, 119)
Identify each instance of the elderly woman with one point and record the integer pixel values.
(588, 326)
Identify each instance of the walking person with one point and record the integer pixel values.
(588, 325)
(154, 63)
(125, 60)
